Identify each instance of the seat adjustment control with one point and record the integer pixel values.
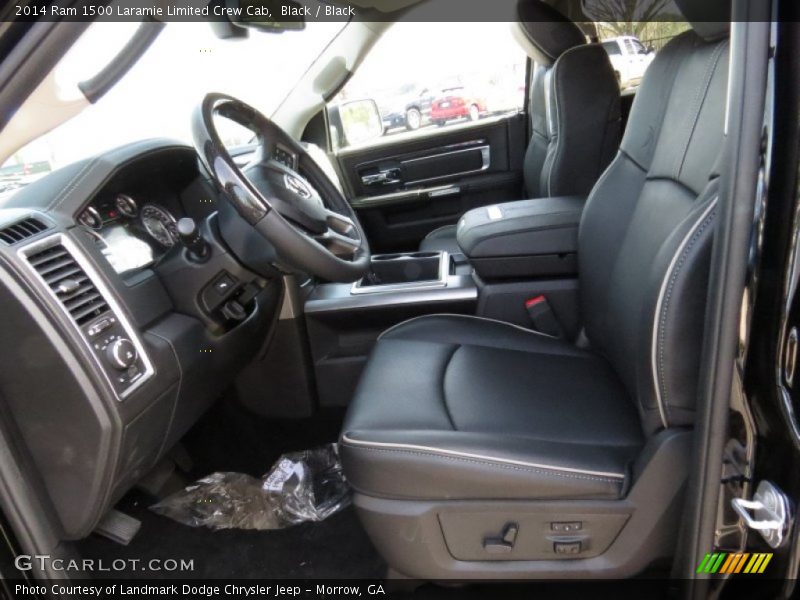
(566, 526)
(567, 547)
(504, 543)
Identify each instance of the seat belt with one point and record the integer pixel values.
(542, 317)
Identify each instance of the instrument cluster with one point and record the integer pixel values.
(154, 219)
(130, 233)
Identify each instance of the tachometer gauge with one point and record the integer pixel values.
(161, 225)
(126, 205)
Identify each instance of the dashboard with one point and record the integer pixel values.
(132, 218)
(114, 341)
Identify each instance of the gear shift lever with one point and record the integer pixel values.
(189, 233)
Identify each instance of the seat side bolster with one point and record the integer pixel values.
(412, 472)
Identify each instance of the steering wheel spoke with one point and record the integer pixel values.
(341, 224)
(341, 238)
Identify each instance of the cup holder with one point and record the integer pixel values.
(395, 272)
(405, 256)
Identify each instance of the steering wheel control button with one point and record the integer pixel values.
(121, 354)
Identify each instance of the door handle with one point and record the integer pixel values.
(385, 177)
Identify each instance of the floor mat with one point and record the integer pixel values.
(334, 548)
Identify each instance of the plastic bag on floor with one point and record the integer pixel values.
(301, 486)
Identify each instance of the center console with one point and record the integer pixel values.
(528, 239)
(403, 272)
(344, 319)
(514, 253)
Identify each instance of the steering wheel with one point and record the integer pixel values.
(306, 219)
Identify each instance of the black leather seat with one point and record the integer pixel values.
(574, 107)
(472, 408)
(481, 412)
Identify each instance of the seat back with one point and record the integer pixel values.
(574, 104)
(647, 229)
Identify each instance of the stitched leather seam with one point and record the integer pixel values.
(559, 130)
(444, 396)
(665, 293)
(558, 151)
(692, 115)
(532, 228)
(87, 169)
(700, 97)
(551, 471)
(522, 329)
(78, 177)
(665, 310)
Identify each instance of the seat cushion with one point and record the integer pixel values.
(442, 239)
(461, 407)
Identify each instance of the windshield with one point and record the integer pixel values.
(157, 96)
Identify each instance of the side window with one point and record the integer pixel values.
(422, 77)
(629, 46)
(638, 47)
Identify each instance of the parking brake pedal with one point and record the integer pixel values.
(503, 544)
(118, 527)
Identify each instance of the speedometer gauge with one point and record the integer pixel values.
(161, 225)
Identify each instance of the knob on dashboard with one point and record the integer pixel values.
(121, 354)
(192, 239)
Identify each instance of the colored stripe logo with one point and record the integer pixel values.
(741, 562)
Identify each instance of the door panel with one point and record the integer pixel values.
(404, 189)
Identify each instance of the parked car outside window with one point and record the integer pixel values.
(630, 59)
(457, 103)
(419, 88)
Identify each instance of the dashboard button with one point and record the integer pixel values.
(100, 326)
(224, 284)
(121, 354)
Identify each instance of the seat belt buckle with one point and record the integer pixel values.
(542, 316)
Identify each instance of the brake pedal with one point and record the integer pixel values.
(118, 527)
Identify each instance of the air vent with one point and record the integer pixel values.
(69, 283)
(21, 230)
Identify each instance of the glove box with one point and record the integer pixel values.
(528, 239)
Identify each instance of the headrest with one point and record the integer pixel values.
(710, 19)
(543, 32)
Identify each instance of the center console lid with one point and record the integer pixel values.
(523, 240)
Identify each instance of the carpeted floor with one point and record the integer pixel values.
(334, 548)
(230, 439)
